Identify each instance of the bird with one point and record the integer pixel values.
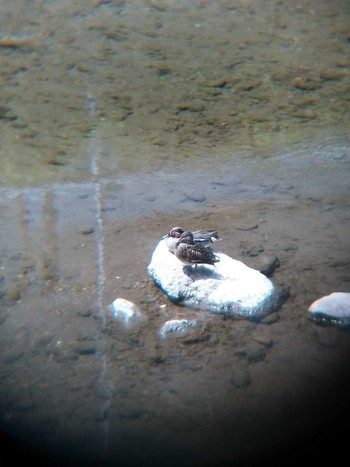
(201, 237)
(191, 253)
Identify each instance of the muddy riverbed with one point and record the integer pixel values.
(119, 120)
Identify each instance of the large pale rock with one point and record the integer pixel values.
(230, 287)
(332, 309)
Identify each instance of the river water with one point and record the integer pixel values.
(119, 120)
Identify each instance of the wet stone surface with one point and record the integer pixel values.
(332, 309)
(230, 288)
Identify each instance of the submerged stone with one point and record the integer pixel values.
(126, 311)
(331, 309)
(177, 327)
(230, 287)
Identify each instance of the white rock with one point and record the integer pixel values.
(178, 326)
(230, 287)
(126, 311)
(332, 309)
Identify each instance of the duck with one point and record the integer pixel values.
(191, 253)
(201, 237)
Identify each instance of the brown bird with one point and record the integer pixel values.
(189, 252)
(201, 237)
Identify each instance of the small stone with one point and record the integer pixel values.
(87, 349)
(133, 413)
(264, 339)
(88, 231)
(105, 392)
(255, 250)
(248, 85)
(306, 84)
(258, 117)
(218, 83)
(197, 197)
(25, 405)
(102, 414)
(288, 246)
(270, 319)
(13, 355)
(86, 335)
(67, 357)
(252, 352)
(3, 318)
(280, 75)
(190, 106)
(303, 113)
(85, 313)
(241, 377)
(268, 264)
(328, 74)
(176, 327)
(247, 227)
(42, 341)
(162, 69)
(126, 311)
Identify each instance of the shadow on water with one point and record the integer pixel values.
(258, 150)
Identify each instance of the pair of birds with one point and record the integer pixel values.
(192, 248)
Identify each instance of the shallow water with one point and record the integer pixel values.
(119, 120)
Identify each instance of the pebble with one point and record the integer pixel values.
(105, 392)
(62, 352)
(270, 319)
(13, 355)
(190, 106)
(88, 231)
(248, 85)
(306, 84)
(255, 250)
(268, 264)
(241, 377)
(3, 318)
(178, 327)
(328, 74)
(86, 334)
(85, 313)
(219, 83)
(303, 113)
(125, 311)
(87, 349)
(66, 356)
(14, 43)
(25, 405)
(288, 246)
(133, 413)
(247, 227)
(197, 197)
(264, 339)
(42, 341)
(253, 352)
